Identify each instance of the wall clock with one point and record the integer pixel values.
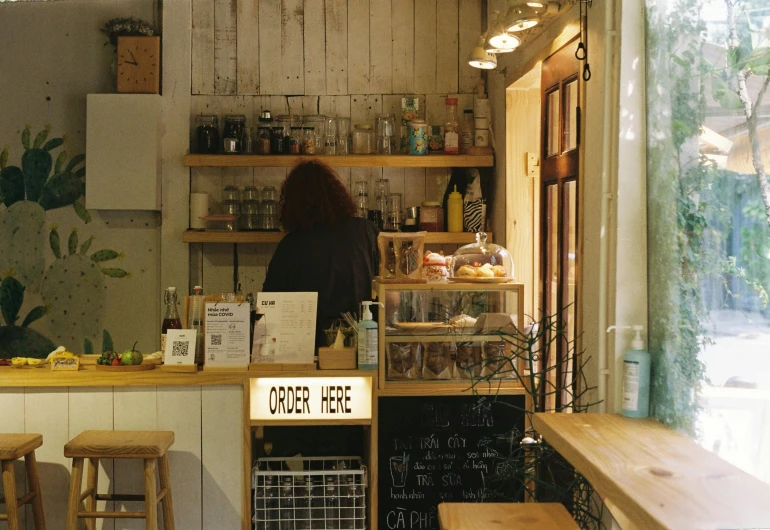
(138, 65)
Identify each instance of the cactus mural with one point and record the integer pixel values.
(14, 338)
(73, 288)
(28, 192)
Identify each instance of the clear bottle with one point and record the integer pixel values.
(317, 510)
(286, 502)
(196, 321)
(467, 131)
(636, 378)
(171, 320)
(301, 503)
(332, 503)
(271, 503)
(378, 202)
(347, 503)
(451, 128)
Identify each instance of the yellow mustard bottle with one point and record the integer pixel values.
(454, 206)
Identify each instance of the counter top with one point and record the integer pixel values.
(88, 376)
(655, 477)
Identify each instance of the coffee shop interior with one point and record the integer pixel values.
(570, 312)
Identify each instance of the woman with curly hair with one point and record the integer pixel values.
(327, 249)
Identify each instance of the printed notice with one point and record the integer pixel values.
(180, 346)
(227, 334)
(285, 328)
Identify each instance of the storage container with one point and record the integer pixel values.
(482, 261)
(363, 139)
(432, 217)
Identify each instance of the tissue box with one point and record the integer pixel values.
(337, 359)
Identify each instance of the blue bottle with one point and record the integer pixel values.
(636, 379)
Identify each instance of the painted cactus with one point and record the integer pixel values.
(73, 288)
(28, 193)
(14, 338)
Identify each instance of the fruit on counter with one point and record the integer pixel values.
(132, 356)
(19, 361)
(107, 358)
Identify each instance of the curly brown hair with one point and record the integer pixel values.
(312, 193)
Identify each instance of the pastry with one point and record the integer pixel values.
(466, 271)
(485, 271)
(499, 271)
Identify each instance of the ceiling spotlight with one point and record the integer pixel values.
(480, 58)
(502, 43)
(519, 18)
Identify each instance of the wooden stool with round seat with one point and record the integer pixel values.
(13, 447)
(150, 446)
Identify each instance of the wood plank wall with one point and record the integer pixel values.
(206, 458)
(351, 58)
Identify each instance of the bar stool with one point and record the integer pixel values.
(504, 516)
(13, 447)
(150, 446)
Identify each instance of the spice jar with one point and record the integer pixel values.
(295, 140)
(363, 139)
(233, 133)
(418, 137)
(262, 142)
(318, 124)
(309, 141)
(207, 133)
(276, 141)
(431, 217)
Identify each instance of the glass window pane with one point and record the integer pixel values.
(552, 123)
(570, 115)
(570, 281)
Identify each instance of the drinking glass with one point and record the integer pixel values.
(361, 197)
(330, 143)
(343, 136)
(392, 222)
(384, 130)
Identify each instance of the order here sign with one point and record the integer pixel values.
(311, 398)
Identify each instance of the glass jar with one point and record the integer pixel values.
(482, 260)
(276, 141)
(310, 141)
(363, 139)
(207, 134)
(286, 122)
(343, 136)
(249, 216)
(330, 136)
(233, 132)
(268, 209)
(384, 130)
(431, 217)
(295, 141)
(318, 123)
(262, 141)
(231, 200)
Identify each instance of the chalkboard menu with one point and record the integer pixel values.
(440, 449)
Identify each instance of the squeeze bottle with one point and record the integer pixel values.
(367, 339)
(454, 207)
(636, 378)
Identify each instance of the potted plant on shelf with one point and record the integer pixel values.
(135, 65)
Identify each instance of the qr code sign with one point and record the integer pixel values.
(216, 340)
(179, 348)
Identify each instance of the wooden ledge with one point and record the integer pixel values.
(656, 477)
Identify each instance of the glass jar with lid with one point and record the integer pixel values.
(249, 216)
(318, 123)
(262, 138)
(482, 260)
(295, 140)
(363, 139)
(310, 141)
(285, 122)
(231, 200)
(233, 132)
(431, 217)
(207, 134)
(277, 146)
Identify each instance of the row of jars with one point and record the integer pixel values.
(295, 135)
(255, 210)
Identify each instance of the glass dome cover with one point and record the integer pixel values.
(482, 260)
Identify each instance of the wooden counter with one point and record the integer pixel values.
(653, 477)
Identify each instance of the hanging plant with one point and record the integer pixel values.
(122, 27)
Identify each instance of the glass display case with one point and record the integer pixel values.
(452, 334)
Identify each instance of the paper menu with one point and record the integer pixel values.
(285, 329)
(227, 334)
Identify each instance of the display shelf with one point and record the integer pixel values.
(439, 337)
(202, 236)
(451, 387)
(199, 160)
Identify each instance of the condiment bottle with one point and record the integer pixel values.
(454, 209)
(171, 320)
(451, 128)
(367, 339)
(467, 131)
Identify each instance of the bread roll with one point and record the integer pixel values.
(466, 271)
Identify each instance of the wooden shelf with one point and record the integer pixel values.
(202, 236)
(451, 387)
(194, 160)
(654, 477)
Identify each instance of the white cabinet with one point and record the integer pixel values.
(123, 152)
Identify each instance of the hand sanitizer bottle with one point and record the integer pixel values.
(636, 379)
(367, 339)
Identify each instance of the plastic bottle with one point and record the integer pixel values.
(451, 128)
(454, 211)
(636, 378)
(171, 320)
(367, 339)
(467, 131)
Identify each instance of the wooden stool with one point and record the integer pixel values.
(151, 446)
(504, 516)
(13, 447)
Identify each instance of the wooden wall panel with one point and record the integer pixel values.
(402, 26)
(202, 47)
(225, 47)
(337, 106)
(358, 47)
(468, 35)
(222, 456)
(247, 60)
(315, 47)
(363, 108)
(380, 47)
(269, 46)
(425, 46)
(447, 38)
(292, 47)
(336, 47)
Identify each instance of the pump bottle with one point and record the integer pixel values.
(367, 339)
(636, 378)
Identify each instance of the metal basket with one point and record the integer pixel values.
(326, 493)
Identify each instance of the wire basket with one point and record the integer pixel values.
(309, 493)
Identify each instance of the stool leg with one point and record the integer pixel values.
(150, 494)
(9, 486)
(73, 502)
(92, 479)
(30, 463)
(168, 504)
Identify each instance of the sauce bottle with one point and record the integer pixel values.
(451, 127)
(171, 320)
(454, 207)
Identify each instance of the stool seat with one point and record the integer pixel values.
(504, 516)
(119, 444)
(13, 446)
